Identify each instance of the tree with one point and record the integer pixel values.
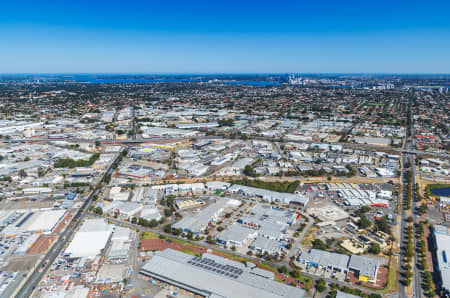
(167, 212)
(319, 244)
(295, 274)
(383, 225)
(284, 269)
(374, 248)
(134, 220)
(98, 210)
(167, 228)
(320, 285)
(423, 208)
(364, 222)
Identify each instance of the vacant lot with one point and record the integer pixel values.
(41, 245)
(22, 263)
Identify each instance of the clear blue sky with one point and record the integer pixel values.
(170, 36)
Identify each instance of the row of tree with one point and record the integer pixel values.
(428, 284)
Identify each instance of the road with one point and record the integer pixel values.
(403, 235)
(297, 245)
(417, 276)
(37, 275)
(157, 139)
(133, 121)
(409, 147)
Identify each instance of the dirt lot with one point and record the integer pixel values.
(22, 263)
(63, 222)
(25, 204)
(41, 245)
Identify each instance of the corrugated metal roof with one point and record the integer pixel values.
(173, 267)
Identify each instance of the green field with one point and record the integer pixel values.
(149, 235)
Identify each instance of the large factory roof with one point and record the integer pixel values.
(210, 277)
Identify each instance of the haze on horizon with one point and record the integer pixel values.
(225, 37)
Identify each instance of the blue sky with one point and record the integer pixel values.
(225, 36)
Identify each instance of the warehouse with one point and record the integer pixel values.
(262, 215)
(213, 276)
(166, 132)
(236, 235)
(198, 223)
(187, 204)
(116, 194)
(263, 245)
(365, 269)
(120, 244)
(317, 257)
(217, 185)
(39, 221)
(268, 195)
(44, 221)
(197, 125)
(345, 295)
(90, 240)
(150, 213)
(441, 235)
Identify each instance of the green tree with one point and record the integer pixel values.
(320, 285)
(374, 248)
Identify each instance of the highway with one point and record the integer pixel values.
(417, 290)
(409, 147)
(37, 275)
(135, 141)
(403, 236)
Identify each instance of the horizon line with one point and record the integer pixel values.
(222, 73)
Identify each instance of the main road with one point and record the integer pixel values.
(40, 271)
(136, 141)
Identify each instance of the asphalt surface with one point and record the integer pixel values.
(155, 139)
(409, 147)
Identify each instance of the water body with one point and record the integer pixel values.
(93, 80)
(252, 83)
(116, 81)
(445, 192)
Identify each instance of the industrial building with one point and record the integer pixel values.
(213, 276)
(268, 195)
(90, 240)
(264, 245)
(236, 235)
(272, 223)
(441, 235)
(364, 268)
(198, 223)
(317, 257)
(38, 221)
(345, 295)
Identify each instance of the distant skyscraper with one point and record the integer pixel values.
(294, 80)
